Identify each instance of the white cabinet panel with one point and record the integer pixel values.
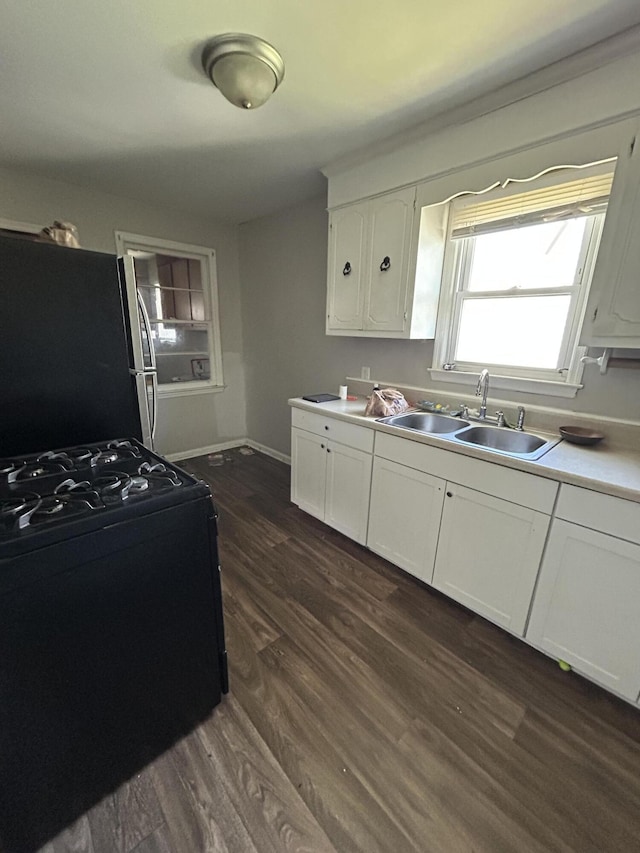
(308, 463)
(498, 480)
(360, 437)
(586, 606)
(613, 309)
(384, 268)
(489, 551)
(347, 251)
(331, 481)
(615, 516)
(391, 217)
(347, 490)
(404, 517)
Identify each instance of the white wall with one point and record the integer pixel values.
(283, 260)
(602, 97)
(184, 423)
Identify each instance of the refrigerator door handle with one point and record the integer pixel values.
(147, 328)
(146, 371)
(154, 407)
(150, 371)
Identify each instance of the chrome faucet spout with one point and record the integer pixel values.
(482, 389)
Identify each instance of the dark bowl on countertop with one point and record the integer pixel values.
(580, 435)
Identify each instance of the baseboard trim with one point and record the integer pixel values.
(269, 451)
(228, 445)
(203, 451)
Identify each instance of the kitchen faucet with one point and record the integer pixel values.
(482, 389)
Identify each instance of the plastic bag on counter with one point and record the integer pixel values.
(385, 402)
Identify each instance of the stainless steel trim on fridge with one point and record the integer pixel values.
(145, 371)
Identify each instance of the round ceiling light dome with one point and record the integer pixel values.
(246, 69)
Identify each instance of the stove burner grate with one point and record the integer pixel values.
(15, 513)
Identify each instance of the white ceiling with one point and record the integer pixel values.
(111, 94)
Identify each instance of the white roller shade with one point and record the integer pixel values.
(585, 195)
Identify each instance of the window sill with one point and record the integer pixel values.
(508, 383)
(188, 389)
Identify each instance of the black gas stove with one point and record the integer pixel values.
(111, 629)
(59, 493)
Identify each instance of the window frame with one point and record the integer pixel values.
(562, 381)
(127, 243)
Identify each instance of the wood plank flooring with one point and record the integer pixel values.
(370, 714)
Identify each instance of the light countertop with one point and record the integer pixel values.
(611, 470)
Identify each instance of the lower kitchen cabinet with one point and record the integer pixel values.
(331, 481)
(404, 516)
(489, 552)
(308, 472)
(587, 606)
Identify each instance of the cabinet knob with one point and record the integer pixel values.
(326, 427)
(328, 450)
(346, 270)
(386, 263)
(322, 446)
(449, 494)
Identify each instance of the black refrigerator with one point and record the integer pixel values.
(68, 350)
(111, 625)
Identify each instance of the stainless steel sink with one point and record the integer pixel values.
(509, 442)
(425, 422)
(522, 444)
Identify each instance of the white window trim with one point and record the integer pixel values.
(142, 243)
(502, 376)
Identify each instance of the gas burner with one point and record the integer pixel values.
(15, 513)
(115, 451)
(105, 457)
(30, 470)
(114, 486)
(125, 448)
(79, 491)
(66, 458)
(60, 506)
(160, 474)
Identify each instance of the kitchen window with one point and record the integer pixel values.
(177, 283)
(518, 265)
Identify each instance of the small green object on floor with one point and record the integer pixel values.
(564, 666)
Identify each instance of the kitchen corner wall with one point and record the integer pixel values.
(283, 271)
(184, 423)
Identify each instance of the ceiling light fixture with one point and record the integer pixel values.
(245, 68)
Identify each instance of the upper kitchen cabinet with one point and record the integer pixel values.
(378, 285)
(612, 317)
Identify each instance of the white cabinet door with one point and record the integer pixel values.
(489, 552)
(391, 218)
(347, 490)
(404, 517)
(587, 606)
(613, 310)
(347, 274)
(308, 472)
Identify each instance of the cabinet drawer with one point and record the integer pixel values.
(493, 479)
(353, 436)
(614, 516)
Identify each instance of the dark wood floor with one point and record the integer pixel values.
(369, 713)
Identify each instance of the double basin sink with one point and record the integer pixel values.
(509, 442)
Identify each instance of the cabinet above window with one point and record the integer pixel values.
(384, 268)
